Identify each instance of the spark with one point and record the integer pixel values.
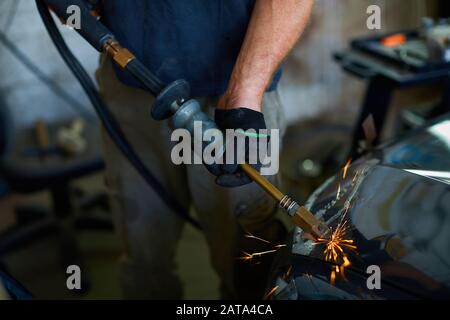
(335, 245)
(338, 191)
(356, 176)
(288, 273)
(345, 265)
(249, 256)
(333, 275)
(336, 248)
(344, 174)
(251, 236)
(270, 293)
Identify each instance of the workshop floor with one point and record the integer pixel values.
(38, 267)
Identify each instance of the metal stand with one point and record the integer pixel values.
(383, 79)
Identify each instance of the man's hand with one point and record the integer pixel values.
(274, 28)
(250, 126)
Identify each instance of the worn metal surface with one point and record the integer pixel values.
(398, 208)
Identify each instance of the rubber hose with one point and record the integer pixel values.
(108, 121)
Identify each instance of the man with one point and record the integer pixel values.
(229, 51)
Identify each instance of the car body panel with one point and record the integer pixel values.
(396, 202)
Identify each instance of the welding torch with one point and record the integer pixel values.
(172, 101)
(300, 216)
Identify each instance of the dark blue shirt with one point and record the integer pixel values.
(195, 40)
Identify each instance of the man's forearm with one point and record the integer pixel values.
(274, 28)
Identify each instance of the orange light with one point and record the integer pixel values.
(394, 40)
(344, 174)
(288, 273)
(270, 293)
(336, 248)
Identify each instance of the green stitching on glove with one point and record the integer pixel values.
(252, 134)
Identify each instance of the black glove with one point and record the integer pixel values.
(242, 118)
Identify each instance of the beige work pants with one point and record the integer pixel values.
(149, 230)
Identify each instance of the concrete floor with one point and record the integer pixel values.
(38, 267)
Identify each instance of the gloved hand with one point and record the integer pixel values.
(241, 118)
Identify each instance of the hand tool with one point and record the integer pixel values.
(184, 114)
(173, 101)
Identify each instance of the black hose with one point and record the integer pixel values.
(108, 121)
(141, 73)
